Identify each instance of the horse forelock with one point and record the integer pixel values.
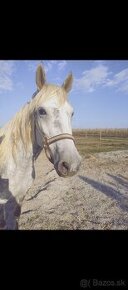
(48, 92)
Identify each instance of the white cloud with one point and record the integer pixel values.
(6, 71)
(57, 65)
(32, 65)
(62, 64)
(92, 78)
(53, 61)
(99, 61)
(101, 76)
(122, 76)
(6, 83)
(119, 81)
(48, 65)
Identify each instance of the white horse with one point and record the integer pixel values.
(44, 122)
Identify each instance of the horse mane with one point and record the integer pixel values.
(20, 128)
(16, 131)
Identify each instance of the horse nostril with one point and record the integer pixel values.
(63, 167)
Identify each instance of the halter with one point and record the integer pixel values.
(51, 140)
(48, 141)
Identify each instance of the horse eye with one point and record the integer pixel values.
(72, 114)
(42, 111)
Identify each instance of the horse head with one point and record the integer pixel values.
(53, 130)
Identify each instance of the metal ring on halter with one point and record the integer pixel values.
(48, 141)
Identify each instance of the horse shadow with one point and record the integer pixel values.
(112, 193)
(120, 179)
(9, 210)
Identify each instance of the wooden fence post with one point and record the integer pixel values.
(100, 135)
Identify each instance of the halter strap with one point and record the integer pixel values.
(48, 141)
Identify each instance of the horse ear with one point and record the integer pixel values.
(67, 85)
(40, 77)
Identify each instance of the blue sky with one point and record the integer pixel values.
(99, 94)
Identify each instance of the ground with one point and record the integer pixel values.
(95, 198)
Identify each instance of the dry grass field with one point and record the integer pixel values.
(104, 140)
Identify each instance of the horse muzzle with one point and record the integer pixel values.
(62, 167)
